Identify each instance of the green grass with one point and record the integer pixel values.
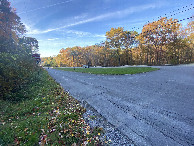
(48, 116)
(111, 71)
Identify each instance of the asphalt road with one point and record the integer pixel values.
(155, 108)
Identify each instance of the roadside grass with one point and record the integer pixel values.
(50, 116)
(111, 71)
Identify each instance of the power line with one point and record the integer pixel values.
(168, 24)
(188, 7)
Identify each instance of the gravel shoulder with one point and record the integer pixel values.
(154, 108)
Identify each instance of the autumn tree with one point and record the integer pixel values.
(160, 38)
(189, 40)
(50, 61)
(160, 42)
(17, 68)
(129, 42)
(76, 55)
(11, 27)
(115, 38)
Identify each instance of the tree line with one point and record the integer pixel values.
(160, 42)
(17, 67)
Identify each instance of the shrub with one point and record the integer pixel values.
(16, 71)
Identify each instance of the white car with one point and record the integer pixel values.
(85, 66)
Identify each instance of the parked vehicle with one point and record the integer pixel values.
(85, 66)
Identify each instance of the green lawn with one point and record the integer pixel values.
(48, 116)
(111, 71)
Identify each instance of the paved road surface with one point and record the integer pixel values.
(155, 108)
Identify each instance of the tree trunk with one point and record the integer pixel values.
(131, 60)
(119, 60)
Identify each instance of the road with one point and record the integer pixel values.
(155, 108)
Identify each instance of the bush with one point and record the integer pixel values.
(174, 61)
(16, 71)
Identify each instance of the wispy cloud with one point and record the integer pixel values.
(83, 33)
(82, 16)
(48, 6)
(78, 33)
(39, 40)
(121, 13)
(65, 31)
(52, 39)
(100, 35)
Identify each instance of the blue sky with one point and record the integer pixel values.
(58, 24)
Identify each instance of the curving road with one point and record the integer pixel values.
(155, 108)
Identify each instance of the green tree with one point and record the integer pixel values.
(17, 67)
(30, 44)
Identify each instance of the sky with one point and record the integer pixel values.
(58, 24)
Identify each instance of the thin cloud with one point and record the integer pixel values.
(48, 6)
(39, 40)
(75, 32)
(84, 15)
(52, 39)
(121, 13)
(83, 33)
(34, 31)
(100, 35)
(78, 33)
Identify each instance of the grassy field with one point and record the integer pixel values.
(111, 71)
(49, 116)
